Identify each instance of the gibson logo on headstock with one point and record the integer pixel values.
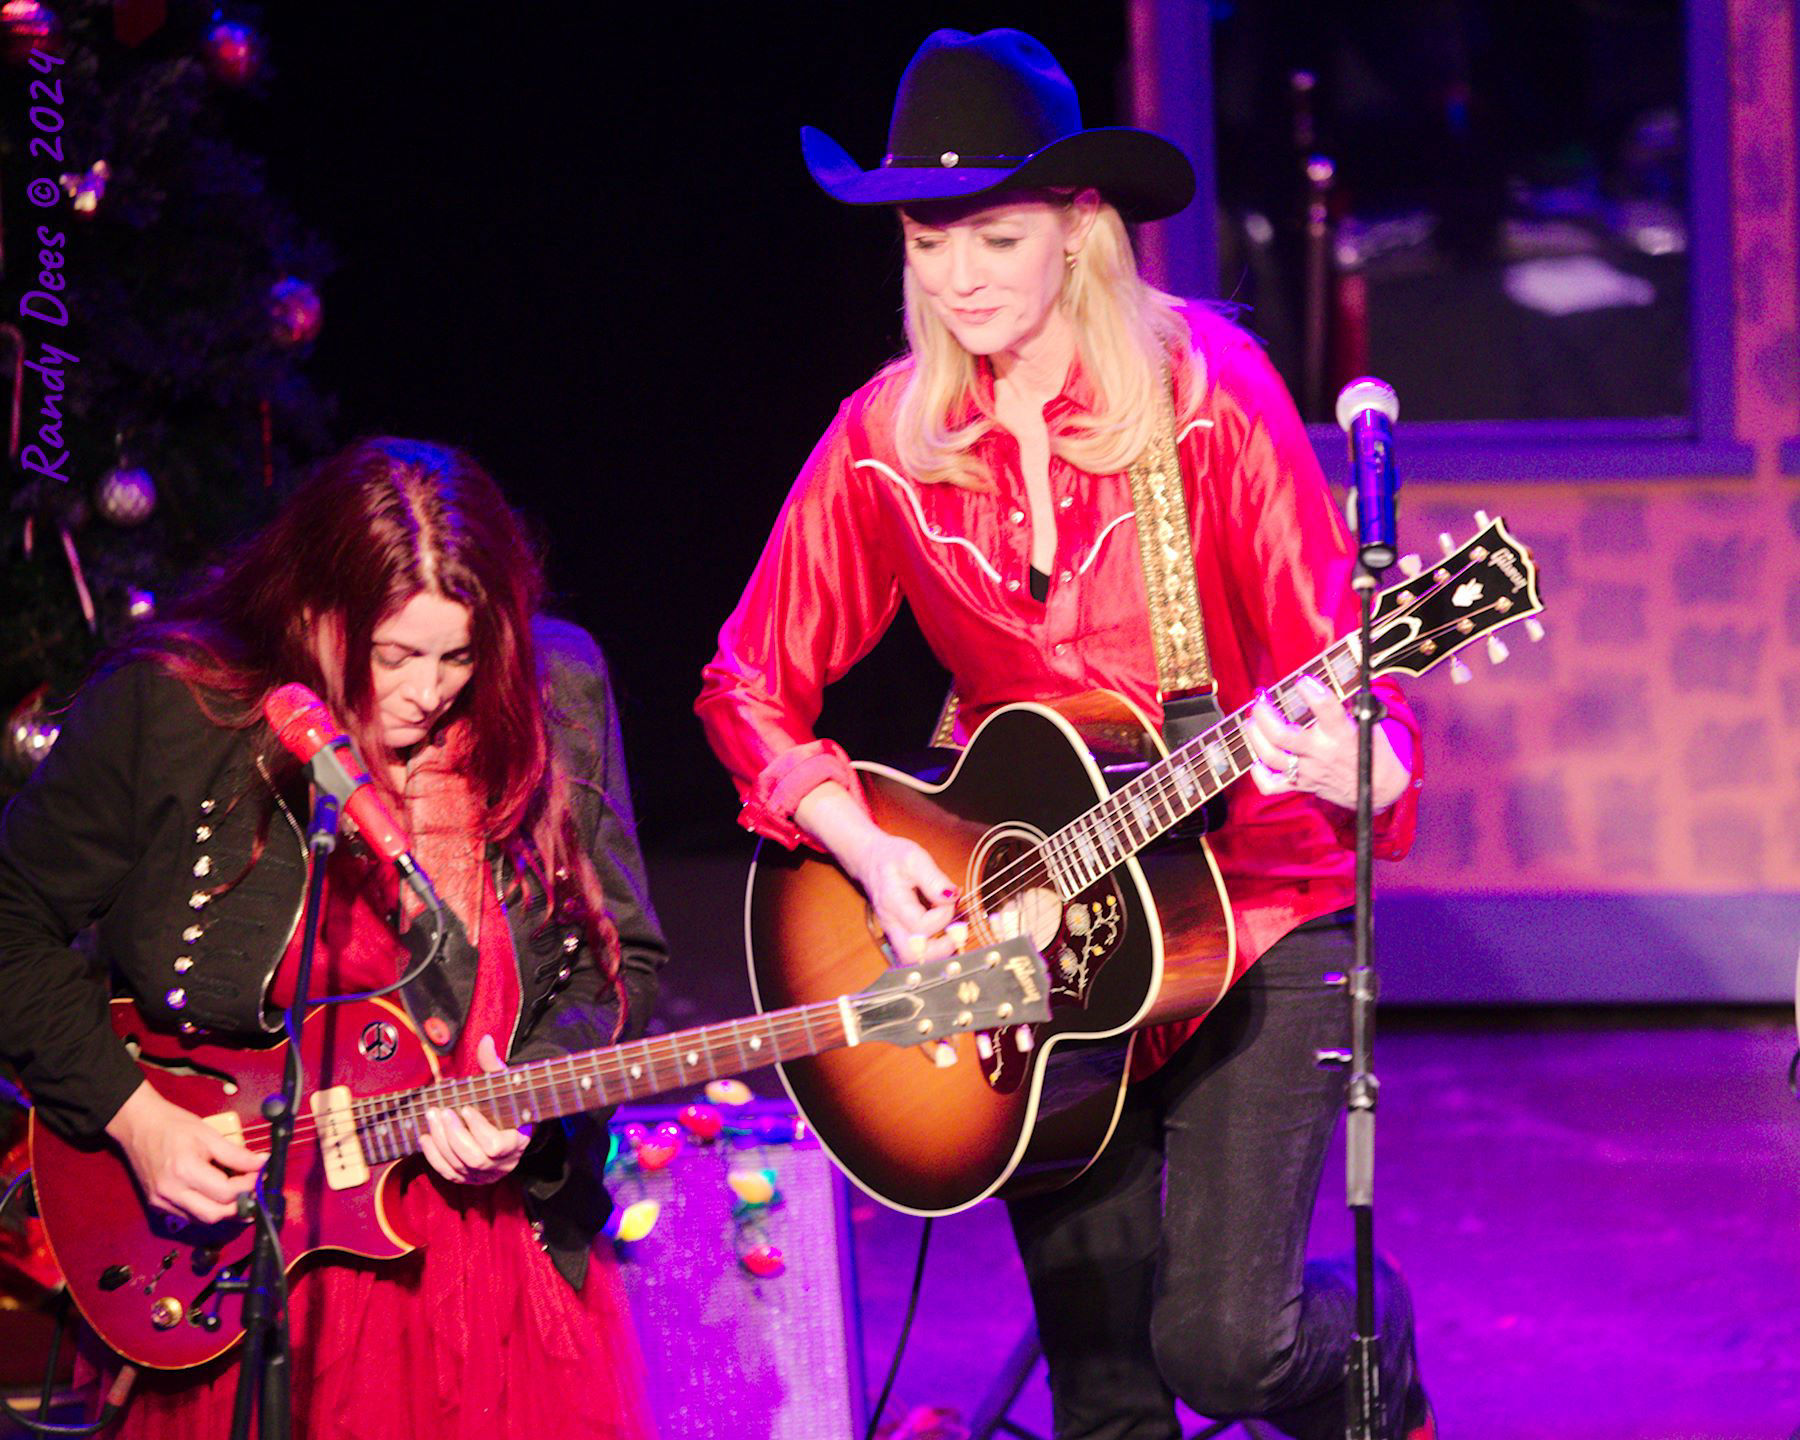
(1508, 565)
(1021, 969)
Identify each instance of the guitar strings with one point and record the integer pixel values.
(1013, 880)
(1157, 787)
(607, 1064)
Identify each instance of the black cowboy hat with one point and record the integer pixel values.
(978, 112)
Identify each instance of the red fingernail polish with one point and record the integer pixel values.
(950, 894)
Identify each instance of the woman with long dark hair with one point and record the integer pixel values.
(398, 585)
(981, 479)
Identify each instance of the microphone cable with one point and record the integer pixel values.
(912, 1309)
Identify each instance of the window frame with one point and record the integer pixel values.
(1701, 443)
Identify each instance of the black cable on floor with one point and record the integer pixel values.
(912, 1307)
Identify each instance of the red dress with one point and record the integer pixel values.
(475, 1336)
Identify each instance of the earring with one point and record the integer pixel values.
(1069, 258)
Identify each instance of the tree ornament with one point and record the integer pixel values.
(27, 26)
(295, 313)
(765, 1261)
(78, 577)
(635, 1133)
(659, 1148)
(30, 732)
(753, 1187)
(730, 1093)
(635, 1221)
(87, 189)
(126, 495)
(703, 1122)
(777, 1129)
(233, 53)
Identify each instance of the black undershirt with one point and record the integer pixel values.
(1040, 585)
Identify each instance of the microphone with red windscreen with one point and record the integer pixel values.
(304, 725)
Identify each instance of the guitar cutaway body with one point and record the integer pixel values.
(149, 1285)
(1019, 1110)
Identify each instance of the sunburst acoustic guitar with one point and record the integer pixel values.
(1047, 822)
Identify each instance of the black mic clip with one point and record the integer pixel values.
(322, 832)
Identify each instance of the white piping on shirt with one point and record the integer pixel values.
(1094, 553)
(930, 532)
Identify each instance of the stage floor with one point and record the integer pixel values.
(1599, 1213)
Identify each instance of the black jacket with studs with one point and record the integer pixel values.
(148, 844)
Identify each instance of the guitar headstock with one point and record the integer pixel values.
(1488, 584)
(990, 986)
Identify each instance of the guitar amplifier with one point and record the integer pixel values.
(730, 1354)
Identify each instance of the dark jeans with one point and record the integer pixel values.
(1207, 1294)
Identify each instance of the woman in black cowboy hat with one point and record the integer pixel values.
(982, 478)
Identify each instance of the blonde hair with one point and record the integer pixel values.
(1126, 334)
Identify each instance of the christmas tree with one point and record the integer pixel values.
(156, 310)
(162, 309)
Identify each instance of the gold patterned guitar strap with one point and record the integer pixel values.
(1166, 547)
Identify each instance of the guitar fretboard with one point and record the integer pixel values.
(390, 1125)
(1166, 793)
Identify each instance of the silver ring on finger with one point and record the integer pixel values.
(1290, 772)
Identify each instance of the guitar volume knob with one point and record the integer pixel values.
(165, 1312)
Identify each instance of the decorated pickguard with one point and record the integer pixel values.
(1076, 937)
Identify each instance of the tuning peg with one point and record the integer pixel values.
(1497, 651)
(1023, 1039)
(1448, 544)
(1410, 566)
(1534, 628)
(1481, 519)
(942, 1053)
(1460, 674)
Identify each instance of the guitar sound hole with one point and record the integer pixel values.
(1013, 894)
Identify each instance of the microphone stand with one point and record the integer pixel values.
(1364, 1387)
(263, 1375)
(1366, 409)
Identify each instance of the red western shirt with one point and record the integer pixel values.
(858, 535)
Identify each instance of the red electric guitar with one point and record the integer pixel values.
(161, 1294)
(1045, 822)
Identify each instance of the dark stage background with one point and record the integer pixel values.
(586, 249)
